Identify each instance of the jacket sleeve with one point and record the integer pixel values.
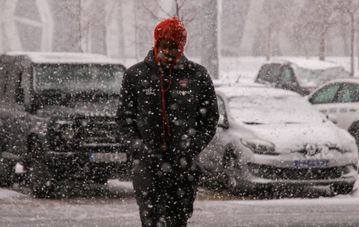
(128, 134)
(207, 114)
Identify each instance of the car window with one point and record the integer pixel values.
(287, 75)
(262, 75)
(348, 93)
(5, 84)
(269, 73)
(275, 70)
(76, 78)
(325, 95)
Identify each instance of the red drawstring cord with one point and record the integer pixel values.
(165, 119)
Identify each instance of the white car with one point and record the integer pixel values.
(270, 137)
(339, 101)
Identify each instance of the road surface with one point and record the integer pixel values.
(118, 208)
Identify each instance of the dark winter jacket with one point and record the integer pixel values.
(190, 108)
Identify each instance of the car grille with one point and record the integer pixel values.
(91, 133)
(98, 130)
(275, 173)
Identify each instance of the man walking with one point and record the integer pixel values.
(167, 116)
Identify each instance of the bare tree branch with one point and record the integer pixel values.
(153, 15)
(180, 6)
(163, 10)
(187, 17)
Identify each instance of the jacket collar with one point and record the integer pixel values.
(150, 60)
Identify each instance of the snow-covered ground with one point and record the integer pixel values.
(6, 193)
(17, 209)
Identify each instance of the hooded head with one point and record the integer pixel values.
(171, 30)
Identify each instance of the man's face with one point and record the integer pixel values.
(167, 51)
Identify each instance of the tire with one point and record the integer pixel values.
(354, 131)
(343, 188)
(39, 178)
(7, 171)
(101, 180)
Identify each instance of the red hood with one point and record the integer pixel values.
(171, 29)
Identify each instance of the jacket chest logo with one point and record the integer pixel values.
(181, 92)
(183, 84)
(149, 91)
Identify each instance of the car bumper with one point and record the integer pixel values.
(257, 176)
(88, 165)
(297, 169)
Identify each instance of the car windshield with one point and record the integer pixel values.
(314, 78)
(78, 78)
(264, 109)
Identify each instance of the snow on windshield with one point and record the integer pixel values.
(267, 108)
(314, 78)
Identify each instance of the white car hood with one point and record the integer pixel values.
(294, 136)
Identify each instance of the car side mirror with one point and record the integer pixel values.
(223, 121)
(309, 98)
(332, 118)
(223, 116)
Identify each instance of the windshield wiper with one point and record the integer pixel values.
(252, 123)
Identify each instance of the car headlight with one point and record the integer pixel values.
(259, 146)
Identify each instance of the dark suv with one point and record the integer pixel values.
(58, 119)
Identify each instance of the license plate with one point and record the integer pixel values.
(310, 163)
(108, 157)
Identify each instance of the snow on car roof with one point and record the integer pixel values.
(308, 63)
(349, 80)
(235, 83)
(66, 57)
(255, 89)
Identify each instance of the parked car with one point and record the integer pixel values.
(58, 115)
(269, 138)
(339, 101)
(299, 75)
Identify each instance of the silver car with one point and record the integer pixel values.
(270, 137)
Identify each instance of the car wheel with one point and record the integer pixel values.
(7, 172)
(343, 188)
(229, 169)
(354, 131)
(39, 178)
(101, 180)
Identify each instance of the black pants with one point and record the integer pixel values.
(164, 193)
